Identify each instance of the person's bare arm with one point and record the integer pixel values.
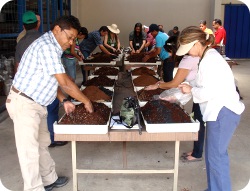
(72, 51)
(178, 79)
(132, 47)
(147, 44)
(118, 44)
(68, 105)
(152, 54)
(71, 89)
(103, 49)
(142, 46)
(105, 43)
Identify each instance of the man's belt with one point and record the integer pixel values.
(22, 94)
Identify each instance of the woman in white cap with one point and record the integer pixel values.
(214, 90)
(111, 40)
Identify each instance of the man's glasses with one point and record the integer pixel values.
(69, 38)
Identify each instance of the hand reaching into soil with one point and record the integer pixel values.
(151, 87)
(89, 107)
(69, 107)
(145, 58)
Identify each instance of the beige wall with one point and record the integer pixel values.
(125, 13)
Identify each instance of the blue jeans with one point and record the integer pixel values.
(168, 69)
(53, 116)
(198, 145)
(219, 134)
(85, 54)
(70, 67)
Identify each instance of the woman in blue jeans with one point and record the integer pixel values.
(214, 90)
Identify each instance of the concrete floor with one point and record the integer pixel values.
(141, 155)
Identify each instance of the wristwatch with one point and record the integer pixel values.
(158, 85)
(64, 100)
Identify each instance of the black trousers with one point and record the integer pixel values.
(198, 145)
(168, 68)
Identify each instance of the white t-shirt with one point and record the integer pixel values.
(190, 63)
(215, 87)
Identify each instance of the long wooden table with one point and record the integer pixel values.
(127, 136)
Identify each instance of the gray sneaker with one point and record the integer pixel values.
(61, 181)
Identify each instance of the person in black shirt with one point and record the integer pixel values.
(137, 39)
(174, 32)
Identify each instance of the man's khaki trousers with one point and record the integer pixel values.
(32, 140)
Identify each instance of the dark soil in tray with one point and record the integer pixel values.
(147, 95)
(142, 70)
(97, 94)
(81, 116)
(99, 58)
(106, 70)
(137, 57)
(145, 80)
(100, 81)
(160, 111)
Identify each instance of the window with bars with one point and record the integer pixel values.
(11, 19)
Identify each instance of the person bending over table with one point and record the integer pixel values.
(219, 103)
(35, 86)
(187, 70)
(111, 40)
(31, 24)
(168, 61)
(137, 39)
(150, 41)
(88, 45)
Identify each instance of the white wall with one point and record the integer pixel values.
(125, 13)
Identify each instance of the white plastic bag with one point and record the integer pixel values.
(174, 95)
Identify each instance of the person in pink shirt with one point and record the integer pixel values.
(150, 41)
